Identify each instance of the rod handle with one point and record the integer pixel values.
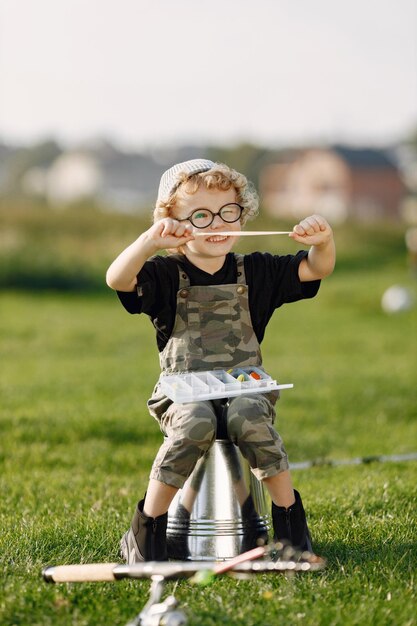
(91, 572)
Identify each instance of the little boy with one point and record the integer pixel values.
(210, 308)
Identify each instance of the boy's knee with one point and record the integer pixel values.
(247, 414)
(200, 427)
(245, 403)
(190, 430)
(202, 434)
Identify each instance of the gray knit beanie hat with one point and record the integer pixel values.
(170, 178)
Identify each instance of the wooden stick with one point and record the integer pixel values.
(243, 233)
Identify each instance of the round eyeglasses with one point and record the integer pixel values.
(201, 218)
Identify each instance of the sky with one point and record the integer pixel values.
(148, 73)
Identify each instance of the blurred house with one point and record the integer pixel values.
(116, 180)
(338, 182)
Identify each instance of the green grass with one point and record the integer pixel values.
(76, 445)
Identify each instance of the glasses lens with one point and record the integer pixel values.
(201, 218)
(230, 212)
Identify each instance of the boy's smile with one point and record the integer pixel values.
(209, 252)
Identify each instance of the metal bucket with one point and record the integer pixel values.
(221, 511)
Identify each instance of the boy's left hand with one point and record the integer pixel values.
(312, 231)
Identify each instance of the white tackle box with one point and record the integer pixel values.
(214, 384)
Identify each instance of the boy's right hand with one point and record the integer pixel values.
(164, 234)
(169, 233)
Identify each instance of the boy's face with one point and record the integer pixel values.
(215, 244)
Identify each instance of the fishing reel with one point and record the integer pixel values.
(156, 613)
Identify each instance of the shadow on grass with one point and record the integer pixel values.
(349, 557)
(26, 430)
(120, 434)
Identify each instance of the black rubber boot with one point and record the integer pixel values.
(290, 525)
(146, 538)
(255, 532)
(177, 544)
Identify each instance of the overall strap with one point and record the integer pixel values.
(183, 279)
(241, 278)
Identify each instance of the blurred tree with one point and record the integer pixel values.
(243, 157)
(411, 140)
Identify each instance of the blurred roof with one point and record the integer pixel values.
(364, 157)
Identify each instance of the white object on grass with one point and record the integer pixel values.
(397, 299)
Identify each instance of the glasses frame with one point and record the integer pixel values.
(213, 215)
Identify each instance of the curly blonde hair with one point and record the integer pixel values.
(220, 177)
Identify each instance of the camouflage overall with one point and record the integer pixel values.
(213, 330)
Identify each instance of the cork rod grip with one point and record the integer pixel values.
(92, 572)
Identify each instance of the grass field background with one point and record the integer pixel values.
(77, 441)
